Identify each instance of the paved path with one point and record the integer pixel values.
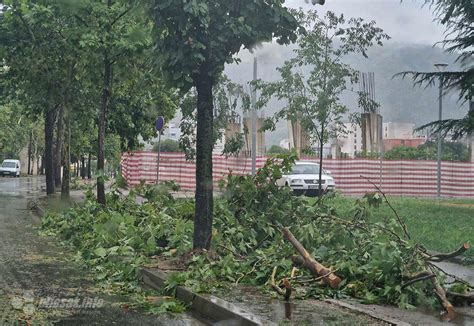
(35, 273)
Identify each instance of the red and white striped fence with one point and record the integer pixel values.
(398, 178)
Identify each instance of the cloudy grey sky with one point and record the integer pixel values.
(406, 21)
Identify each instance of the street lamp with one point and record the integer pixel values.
(440, 67)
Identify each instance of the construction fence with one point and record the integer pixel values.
(353, 177)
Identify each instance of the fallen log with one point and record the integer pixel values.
(441, 294)
(442, 257)
(310, 263)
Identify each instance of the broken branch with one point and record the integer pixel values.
(442, 257)
(441, 294)
(309, 262)
(287, 285)
(422, 276)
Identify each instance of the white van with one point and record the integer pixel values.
(10, 167)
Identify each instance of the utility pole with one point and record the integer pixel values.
(254, 118)
(441, 67)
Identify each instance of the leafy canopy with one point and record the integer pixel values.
(192, 33)
(311, 83)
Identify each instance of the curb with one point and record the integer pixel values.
(368, 312)
(209, 306)
(38, 212)
(218, 309)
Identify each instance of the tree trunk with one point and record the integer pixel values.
(39, 168)
(29, 155)
(83, 167)
(42, 169)
(204, 145)
(66, 162)
(321, 144)
(48, 151)
(59, 148)
(106, 93)
(89, 161)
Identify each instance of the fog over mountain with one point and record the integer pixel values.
(413, 30)
(399, 100)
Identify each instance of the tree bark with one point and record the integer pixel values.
(39, 167)
(30, 171)
(443, 257)
(83, 167)
(106, 93)
(89, 171)
(309, 262)
(321, 144)
(48, 151)
(59, 147)
(204, 145)
(66, 159)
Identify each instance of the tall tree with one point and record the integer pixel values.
(194, 41)
(458, 18)
(37, 49)
(115, 32)
(313, 81)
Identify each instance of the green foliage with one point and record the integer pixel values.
(458, 18)
(312, 99)
(233, 145)
(168, 146)
(116, 240)
(452, 151)
(372, 257)
(275, 149)
(77, 184)
(249, 243)
(13, 132)
(206, 34)
(194, 40)
(426, 220)
(121, 182)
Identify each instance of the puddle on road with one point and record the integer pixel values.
(315, 312)
(295, 312)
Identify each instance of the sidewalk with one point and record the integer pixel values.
(40, 283)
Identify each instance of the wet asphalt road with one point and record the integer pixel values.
(35, 274)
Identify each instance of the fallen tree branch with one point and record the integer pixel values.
(422, 276)
(248, 273)
(309, 262)
(299, 261)
(454, 277)
(288, 289)
(457, 252)
(287, 285)
(273, 284)
(450, 313)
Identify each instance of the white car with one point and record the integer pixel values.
(304, 179)
(10, 167)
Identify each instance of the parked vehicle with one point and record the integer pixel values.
(11, 168)
(304, 179)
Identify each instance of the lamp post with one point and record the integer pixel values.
(440, 67)
(254, 118)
